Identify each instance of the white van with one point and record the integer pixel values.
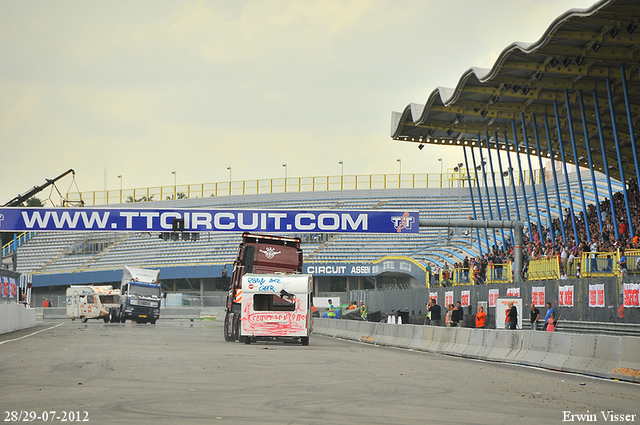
(276, 306)
(92, 302)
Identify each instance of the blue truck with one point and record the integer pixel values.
(140, 295)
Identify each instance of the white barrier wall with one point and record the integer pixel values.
(614, 357)
(14, 317)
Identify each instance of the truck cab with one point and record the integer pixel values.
(140, 295)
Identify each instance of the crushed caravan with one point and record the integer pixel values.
(276, 307)
(93, 302)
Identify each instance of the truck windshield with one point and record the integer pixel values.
(144, 291)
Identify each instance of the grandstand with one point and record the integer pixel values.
(63, 253)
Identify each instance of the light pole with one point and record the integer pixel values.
(440, 190)
(120, 177)
(399, 160)
(285, 176)
(341, 174)
(459, 170)
(175, 185)
(229, 168)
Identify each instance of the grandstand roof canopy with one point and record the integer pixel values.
(582, 52)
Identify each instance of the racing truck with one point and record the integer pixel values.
(140, 295)
(269, 297)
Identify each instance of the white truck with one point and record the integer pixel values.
(140, 295)
(276, 306)
(93, 302)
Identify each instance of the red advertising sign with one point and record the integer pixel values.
(465, 296)
(448, 297)
(493, 297)
(433, 296)
(513, 292)
(565, 296)
(596, 295)
(631, 292)
(537, 296)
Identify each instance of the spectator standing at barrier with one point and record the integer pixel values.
(535, 316)
(513, 316)
(457, 315)
(481, 316)
(436, 312)
(45, 303)
(564, 257)
(449, 317)
(550, 325)
(550, 312)
(623, 263)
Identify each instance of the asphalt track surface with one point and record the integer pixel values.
(182, 372)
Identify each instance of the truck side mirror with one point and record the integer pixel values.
(164, 295)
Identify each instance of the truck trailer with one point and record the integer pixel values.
(268, 296)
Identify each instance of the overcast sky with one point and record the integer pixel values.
(144, 88)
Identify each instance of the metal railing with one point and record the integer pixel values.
(495, 273)
(450, 179)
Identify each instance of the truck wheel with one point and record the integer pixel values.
(238, 330)
(153, 321)
(304, 340)
(83, 319)
(247, 340)
(106, 319)
(227, 335)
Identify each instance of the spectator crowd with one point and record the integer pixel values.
(603, 239)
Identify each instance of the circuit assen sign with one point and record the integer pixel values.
(204, 220)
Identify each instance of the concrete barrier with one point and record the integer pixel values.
(460, 342)
(426, 337)
(502, 345)
(417, 338)
(405, 336)
(436, 338)
(560, 346)
(14, 317)
(448, 340)
(535, 348)
(628, 366)
(605, 356)
(597, 355)
(582, 353)
(475, 343)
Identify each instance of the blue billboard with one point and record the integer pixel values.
(204, 220)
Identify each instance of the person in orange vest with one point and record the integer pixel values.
(45, 303)
(480, 318)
